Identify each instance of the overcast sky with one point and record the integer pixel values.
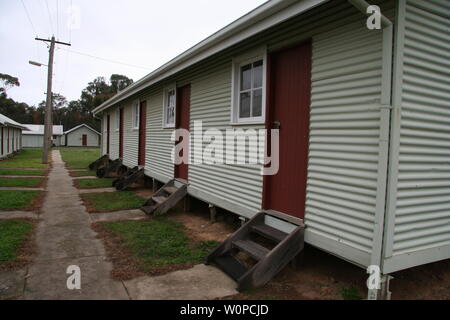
(142, 33)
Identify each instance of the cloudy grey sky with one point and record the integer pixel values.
(142, 33)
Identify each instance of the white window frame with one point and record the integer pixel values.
(166, 91)
(117, 119)
(237, 63)
(135, 114)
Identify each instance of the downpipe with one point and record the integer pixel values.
(385, 116)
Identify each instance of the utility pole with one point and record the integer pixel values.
(48, 121)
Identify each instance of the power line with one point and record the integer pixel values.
(104, 59)
(50, 17)
(28, 16)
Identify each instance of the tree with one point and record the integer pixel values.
(7, 82)
(119, 82)
(69, 114)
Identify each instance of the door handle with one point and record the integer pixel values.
(276, 124)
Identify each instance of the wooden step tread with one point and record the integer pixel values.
(252, 248)
(170, 189)
(269, 232)
(231, 266)
(159, 199)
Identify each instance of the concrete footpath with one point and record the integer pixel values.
(64, 238)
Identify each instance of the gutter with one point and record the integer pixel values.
(385, 118)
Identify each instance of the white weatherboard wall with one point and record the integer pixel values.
(158, 163)
(75, 138)
(418, 227)
(235, 187)
(104, 133)
(131, 138)
(32, 140)
(114, 135)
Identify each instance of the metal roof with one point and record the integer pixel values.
(263, 17)
(7, 122)
(38, 129)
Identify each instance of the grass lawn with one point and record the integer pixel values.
(13, 233)
(28, 158)
(82, 173)
(18, 172)
(112, 201)
(16, 200)
(79, 158)
(94, 183)
(21, 182)
(159, 244)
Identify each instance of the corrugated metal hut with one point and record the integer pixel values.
(363, 116)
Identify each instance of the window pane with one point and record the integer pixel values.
(244, 110)
(257, 103)
(246, 77)
(257, 74)
(170, 107)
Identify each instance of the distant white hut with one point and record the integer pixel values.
(10, 136)
(34, 136)
(81, 136)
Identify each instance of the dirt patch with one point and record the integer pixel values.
(144, 192)
(36, 203)
(26, 251)
(199, 226)
(321, 276)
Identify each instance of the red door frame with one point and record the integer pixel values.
(108, 127)
(182, 122)
(142, 132)
(84, 140)
(121, 133)
(267, 180)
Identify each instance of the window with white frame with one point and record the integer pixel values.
(249, 89)
(170, 97)
(117, 119)
(135, 114)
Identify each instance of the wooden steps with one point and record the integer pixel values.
(113, 170)
(100, 163)
(255, 250)
(231, 266)
(275, 251)
(130, 177)
(165, 198)
(269, 232)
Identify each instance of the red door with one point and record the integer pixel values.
(183, 110)
(108, 127)
(121, 133)
(289, 83)
(142, 132)
(84, 140)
